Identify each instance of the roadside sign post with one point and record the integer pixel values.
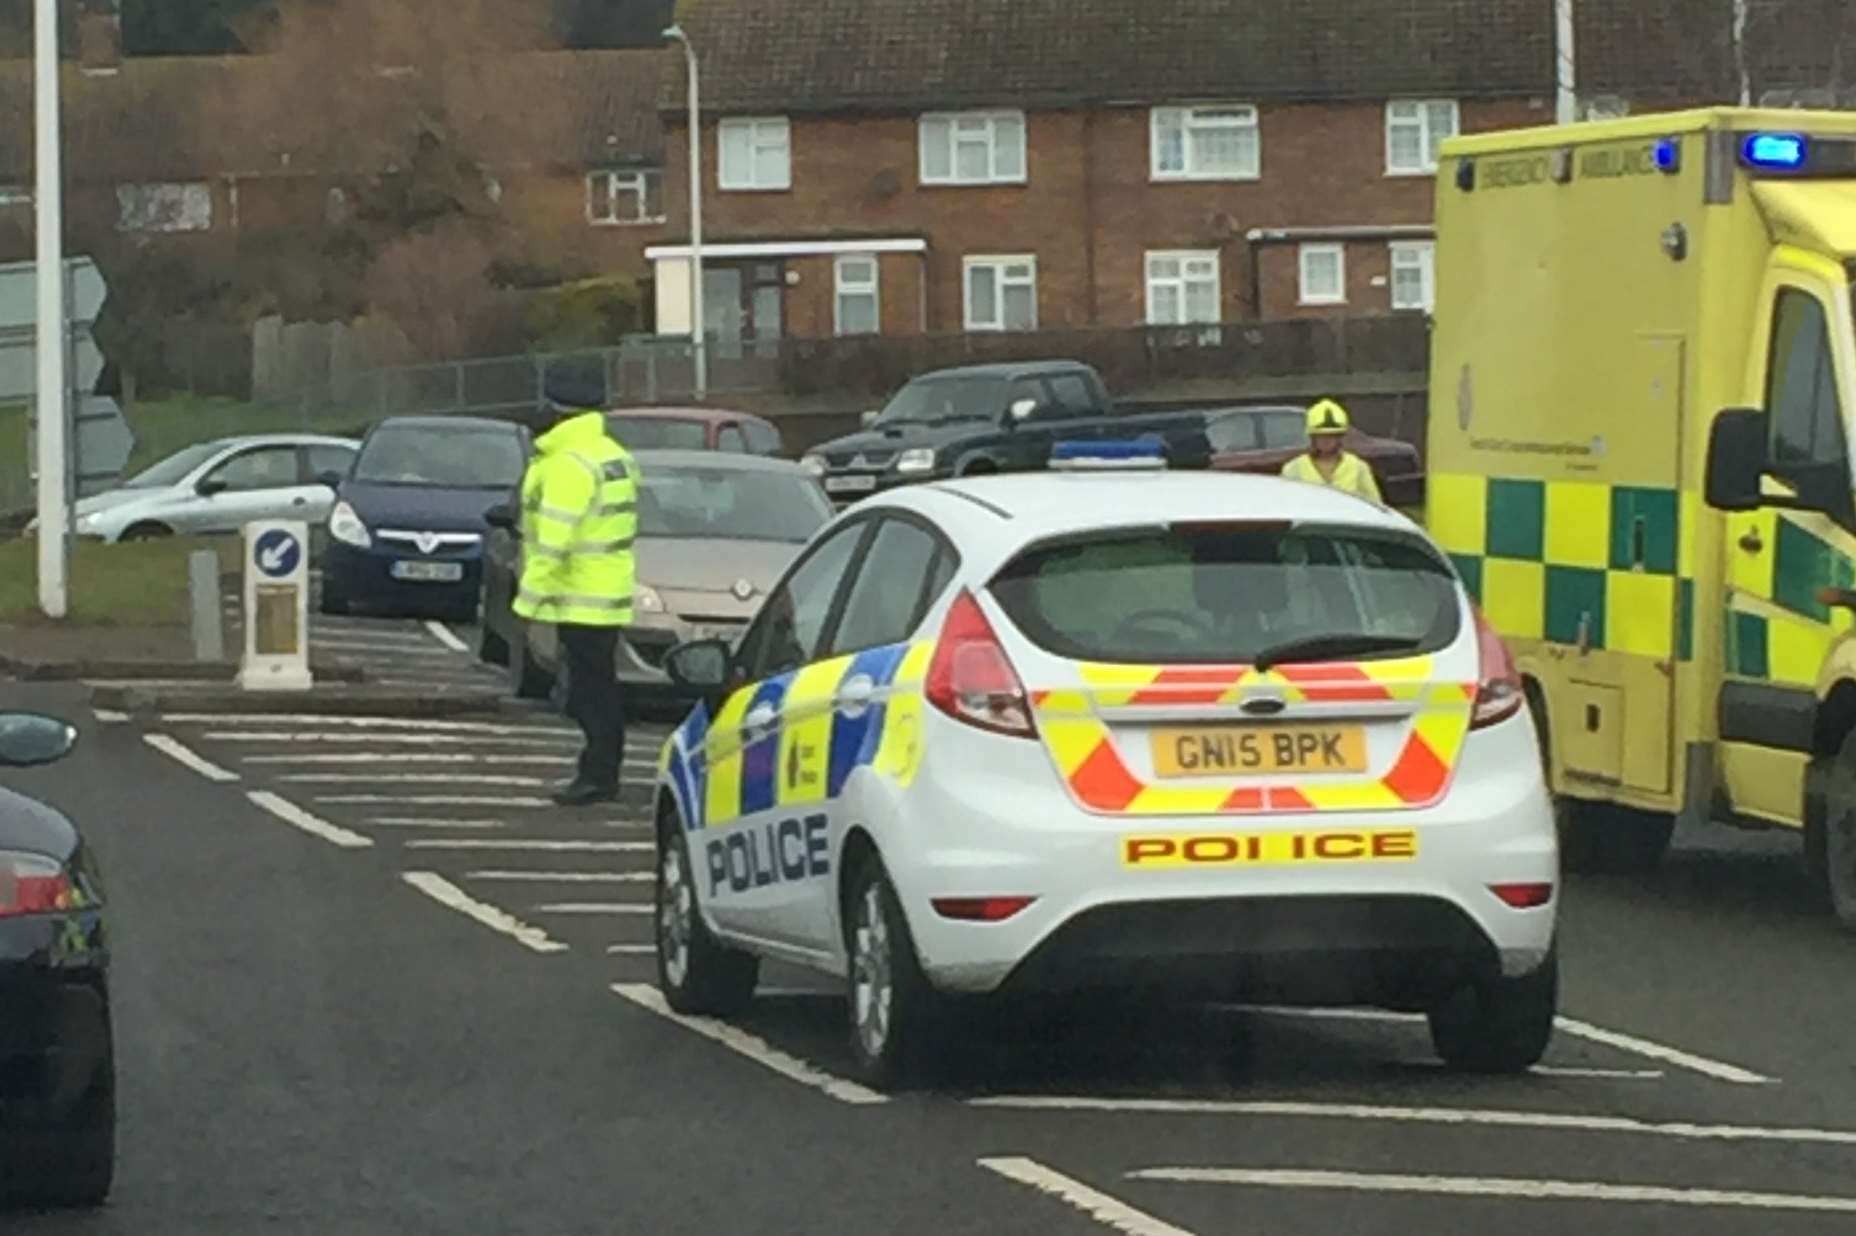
(54, 510)
(276, 588)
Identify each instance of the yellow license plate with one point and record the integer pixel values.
(1257, 750)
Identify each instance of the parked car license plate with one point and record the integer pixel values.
(1230, 750)
(849, 484)
(429, 572)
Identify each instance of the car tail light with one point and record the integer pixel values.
(972, 680)
(33, 884)
(1498, 684)
(980, 909)
(1523, 896)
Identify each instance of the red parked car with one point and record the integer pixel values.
(1262, 440)
(693, 429)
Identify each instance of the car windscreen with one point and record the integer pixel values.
(1227, 593)
(658, 433)
(175, 468)
(729, 504)
(460, 458)
(935, 400)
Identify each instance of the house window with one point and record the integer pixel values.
(164, 207)
(614, 199)
(757, 153)
(1002, 293)
(858, 310)
(1415, 128)
(1182, 288)
(1206, 143)
(1324, 274)
(973, 148)
(1414, 277)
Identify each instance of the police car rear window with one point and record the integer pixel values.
(1225, 593)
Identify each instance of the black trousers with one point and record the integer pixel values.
(593, 700)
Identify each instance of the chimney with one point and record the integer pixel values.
(99, 34)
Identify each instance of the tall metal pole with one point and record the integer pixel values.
(699, 347)
(52, 404)
(1565, 63)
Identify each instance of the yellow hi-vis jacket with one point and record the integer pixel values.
(1351, 475)
(579, 518)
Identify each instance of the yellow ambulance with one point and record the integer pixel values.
(1643, 374)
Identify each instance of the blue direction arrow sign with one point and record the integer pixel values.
(278, 553)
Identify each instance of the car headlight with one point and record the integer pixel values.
(346, 527)
(88, 523)
(646, 600)
(915, 460)
(813, 464)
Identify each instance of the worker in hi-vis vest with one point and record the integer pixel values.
(1328, 461)
(579, 519)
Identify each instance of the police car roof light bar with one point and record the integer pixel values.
(1136, 454)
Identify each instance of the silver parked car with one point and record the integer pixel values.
(221, 486)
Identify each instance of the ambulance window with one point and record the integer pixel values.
(793, 622)
(1801, 387)
(885, 599)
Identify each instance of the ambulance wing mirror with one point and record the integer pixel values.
(1737, 460)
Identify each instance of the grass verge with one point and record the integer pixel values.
(138, 584)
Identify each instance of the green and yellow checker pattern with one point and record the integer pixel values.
(1543, 558)
(1788, 637)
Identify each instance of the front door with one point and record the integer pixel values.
(1785, 568)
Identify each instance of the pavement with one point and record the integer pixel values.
(369, 981)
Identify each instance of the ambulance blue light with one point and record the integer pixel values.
(1135, 453)
(1783, 152)
(1668, 155)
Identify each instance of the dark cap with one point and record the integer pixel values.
(572, 392)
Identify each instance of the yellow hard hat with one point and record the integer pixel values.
(1328, 417)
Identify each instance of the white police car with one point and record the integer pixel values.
(1196, 735)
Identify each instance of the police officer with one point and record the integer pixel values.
(579, 517)
(1328, 461)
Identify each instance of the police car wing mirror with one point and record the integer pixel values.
(701, 665)
(1737, 460)
(1021, 409)
(28, 738)
(502, 515)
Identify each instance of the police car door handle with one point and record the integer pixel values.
(855, 694)
(760, 719)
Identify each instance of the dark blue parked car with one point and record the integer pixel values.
(406, 533)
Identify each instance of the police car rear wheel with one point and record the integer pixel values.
(695, 973)
(1498, 1024)
(1835, 844)
(893, 1007)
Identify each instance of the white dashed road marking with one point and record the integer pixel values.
(371, 739)
(318, 721)
(552, 847)
(445, 893)
(595, 907)
(1487, 1186)
(566, 877)
(179, 753)
(431, 800)
(398, 759)
(315, 826)
(631, 949)
(332, 778)
(444, 635)
(753, 1047)
(1110, 1212)
(419, 821)
(109, 716)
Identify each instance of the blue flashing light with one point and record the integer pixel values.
(1779, 152)
(1668, 155)
(1132, 453)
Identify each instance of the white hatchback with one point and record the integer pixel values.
(1200, 736)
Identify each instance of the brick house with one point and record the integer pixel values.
(949, 165)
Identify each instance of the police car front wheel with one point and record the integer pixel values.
(894, 1010)
(695, 972)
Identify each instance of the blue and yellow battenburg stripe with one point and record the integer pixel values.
(720, 772)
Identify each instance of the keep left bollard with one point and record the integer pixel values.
(276, 607)
(209, 631)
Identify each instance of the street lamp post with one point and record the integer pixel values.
(699, 348)
(49, 395)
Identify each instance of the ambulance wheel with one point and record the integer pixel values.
(1498, 1024)
(697, 974)
(895, 1013)
(1831, 850)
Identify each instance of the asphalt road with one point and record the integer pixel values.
(368, 982)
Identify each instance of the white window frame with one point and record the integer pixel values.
(1421, 254)
(149, 207)
(990, 123)
(620, 182)
(1205, 116)
(15, 195)
(1409, 113)
(1181, 281)
(873, 289)
(1323, 249)
(999, 263)
(764, 133)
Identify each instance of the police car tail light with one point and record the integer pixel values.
(30, 884)
(972, 680)
(980, 909)
(1498, 684)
